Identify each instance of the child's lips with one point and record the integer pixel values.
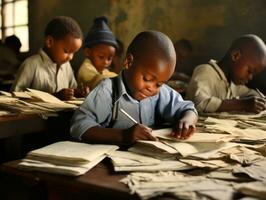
(142, 95)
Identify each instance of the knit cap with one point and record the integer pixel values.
(100, 33)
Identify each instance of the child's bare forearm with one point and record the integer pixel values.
(231, 105)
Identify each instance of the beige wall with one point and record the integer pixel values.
(211, 25)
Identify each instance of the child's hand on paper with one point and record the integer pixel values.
(254, 104)
(138, 132)
(186, 126)
(65, 94)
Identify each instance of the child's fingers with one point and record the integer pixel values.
(148, 134)
(190, 132)
(186, 131)
(151, 137)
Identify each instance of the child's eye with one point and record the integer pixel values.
(146, 78)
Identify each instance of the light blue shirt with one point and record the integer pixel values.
(166, 106)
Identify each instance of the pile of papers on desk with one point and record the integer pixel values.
(34, 102)
(68, 158)
(226, 157)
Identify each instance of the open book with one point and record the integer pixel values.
(168, 147)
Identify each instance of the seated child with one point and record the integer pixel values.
(99, 50)
(140, 91)
(220, 86)
(50, 70)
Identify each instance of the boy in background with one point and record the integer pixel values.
(50, 70)
(141, 92)
(220, 86)
(99, 50)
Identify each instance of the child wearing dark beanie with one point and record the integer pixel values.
(99, 49)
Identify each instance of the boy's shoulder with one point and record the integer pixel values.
(104, 86)
(34, 60)
(207, 69)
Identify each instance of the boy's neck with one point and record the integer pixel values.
(125, 83)
(224, 64)
(46, 50)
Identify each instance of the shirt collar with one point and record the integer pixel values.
(122, 91)
(213, 63)
(46, 58)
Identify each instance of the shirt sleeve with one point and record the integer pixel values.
(201, 88)
(171, 105)
(95, 111)
(25, 76)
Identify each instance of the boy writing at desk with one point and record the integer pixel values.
(220, 86)
(141, 92)
(50, 70)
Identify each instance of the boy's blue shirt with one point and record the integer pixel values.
(166, 106)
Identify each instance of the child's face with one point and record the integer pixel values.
(145, 78)
(101, 56)
(62, 50)
(244, 68)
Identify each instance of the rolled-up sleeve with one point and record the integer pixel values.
(95, 111)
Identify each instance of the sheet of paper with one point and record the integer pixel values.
(44, 96)
(70, 152)
(34, 165)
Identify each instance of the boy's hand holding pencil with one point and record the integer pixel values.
(137, 132)
(254, 104)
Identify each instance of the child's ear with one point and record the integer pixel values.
(87, 52)
(49, 41)
(235, 55)
(128, 61)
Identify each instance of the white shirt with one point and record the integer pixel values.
(39, 72)
(209, 87)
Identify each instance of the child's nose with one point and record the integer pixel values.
(70, 56)
(106, 62)
(152, 88)
(250, 77)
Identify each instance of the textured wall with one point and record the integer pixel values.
(211, 25)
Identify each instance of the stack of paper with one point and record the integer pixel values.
(128, 161)
(33, 102)
(69, 158)
(49, 99)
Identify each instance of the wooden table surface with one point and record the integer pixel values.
(101, 182)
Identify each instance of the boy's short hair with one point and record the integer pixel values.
(152, 43)
(249, 44)
(61, 26)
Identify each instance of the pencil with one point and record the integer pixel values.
(260, 93)
(128, 116)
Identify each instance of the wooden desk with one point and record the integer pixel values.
(101, 182)
(15, 125)
(22, 133)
